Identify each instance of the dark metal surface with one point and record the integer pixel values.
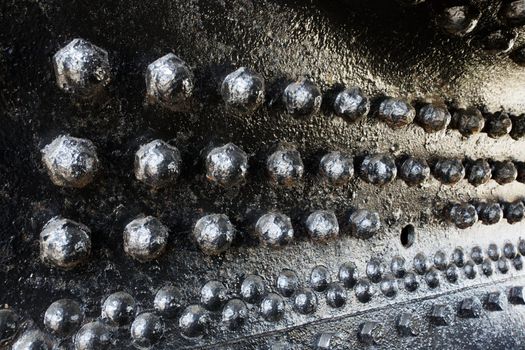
(380, 46)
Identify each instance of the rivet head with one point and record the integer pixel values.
(157, 164)
(441, 315)
(145, 239)
(82, 68)
(226, 165)
(65, 243)
(93, 336)
(243, 90)
(370, 333)
(71, 161)
(63, 316)
(396, 113)
(119, 308)
(146, 329)
(302, 98)
(274, 229)
(214, 233)
(351, 104)
(169, 82)
(470, 308)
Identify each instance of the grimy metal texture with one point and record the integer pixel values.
(384, 48)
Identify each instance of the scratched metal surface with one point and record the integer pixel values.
(380, 46)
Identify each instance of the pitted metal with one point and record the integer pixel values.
(336, 46)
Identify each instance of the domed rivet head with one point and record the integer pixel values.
(363, 223)
(410, 282)
(489, 213)
(214, 233)
(504, 172)
(378, 169)
(336, 167)
(514, 212)
(408, 325)
(322, 225)
(274, 229)
(517, 295)
(167, 301)
(253, 289)
(213, 295)
(370, 333)
(458, 257)
(421, 263)
(441, 315)
(92, 336)
(440, 260)
(495, 301)
(9, 326)
(477, 255)
(320, 278)
(82, 68)
(65, 243)
(479, 172)
(194, 321)
(226, 165)
(374, 270)
(243, 90)
(63, 317)
(34, 339)
(388, 286)
(146, 329)
(272, 307)
(452, 273)
(458, 20)
(285, 167)
(414, 171)
(305, 301)
(463, 215)
(351, 104)
(509, 250)
(302, 98)
(363, 291)
(470, 270)
(119, 308)
(169, 82)
(335, 295)
(500, 41)
(145, 239)
(234, 314)
(498, 125)
(449, 171)
(433, 117)
(157, 164)
(470, 308)
(287, 283)
(486, 267)
(348, 275)
(396, 113)
(468, 121)
(397, 266)
(70, 161)
(503, 265)
(432, 278)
